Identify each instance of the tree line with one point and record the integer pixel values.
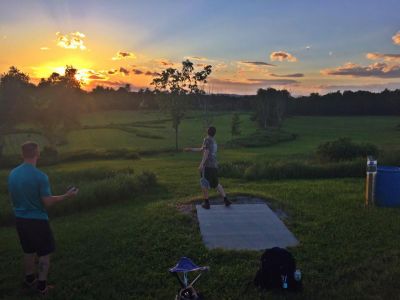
(55, 104)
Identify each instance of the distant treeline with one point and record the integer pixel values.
(347, 103)
(63, 94)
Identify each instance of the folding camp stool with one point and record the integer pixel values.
(187, 291)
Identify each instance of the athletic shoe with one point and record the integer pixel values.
(227, 202)
(30, 285)
(206, 204)
(46, 290)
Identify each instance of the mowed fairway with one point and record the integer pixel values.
(123, 250)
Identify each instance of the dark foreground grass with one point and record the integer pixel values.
(123, 251)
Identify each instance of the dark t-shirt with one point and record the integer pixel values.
(210, 145)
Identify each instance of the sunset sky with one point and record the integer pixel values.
(301, 45)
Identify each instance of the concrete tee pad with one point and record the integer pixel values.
(243, 227)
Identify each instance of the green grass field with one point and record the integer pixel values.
(123, 250)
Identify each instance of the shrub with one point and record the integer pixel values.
(147, 135)
(93, 174)
(49, 155)
(344, 149)
(262, 138)
(99, 154)
(391, 158)
(233, 169)
(293, 170)
(97, 187)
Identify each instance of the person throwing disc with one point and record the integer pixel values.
(30, 195)
(209, 167)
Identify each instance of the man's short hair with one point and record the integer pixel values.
(29, 149)
(211, 131)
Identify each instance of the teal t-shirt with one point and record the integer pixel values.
(27, 185)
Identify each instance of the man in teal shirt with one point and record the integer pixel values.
(30, 193)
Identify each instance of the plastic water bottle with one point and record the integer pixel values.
(372, 168)
(372, 165)
(297, 275)
(284, 282)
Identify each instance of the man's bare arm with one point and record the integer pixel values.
(193, 149)
(50, 200)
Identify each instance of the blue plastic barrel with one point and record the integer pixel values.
(387, 186)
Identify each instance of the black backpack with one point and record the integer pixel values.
(277, 271)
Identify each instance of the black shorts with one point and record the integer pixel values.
(35, 236)
(211, 176)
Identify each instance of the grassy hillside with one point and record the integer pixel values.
(123, 250)
(140, 131)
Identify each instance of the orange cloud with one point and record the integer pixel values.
(386, 57)
(74, 40)
(294, 75)
(198, 58)
(164, 62)
(396, 38)
(256, 63)
(94, 75)
(124, 71)
(123, 54)
(380, 70)
(44, 48)
(282, 56)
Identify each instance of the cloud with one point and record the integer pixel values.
(44, 48)
(282, 56)
(137, 71)
(112, 71)
(257, 63)
(330, 53)
(308, 47)
(123, 54)
(294, 75)
(74, 40)
(253, 82)
(386, 57)
(197, 58)
(381, 70)
(164, 62)
(97, 77)
(124, 71)
(149, 73)
(396, 38)
(273, 81)
(146, 73)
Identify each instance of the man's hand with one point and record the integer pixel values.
(72, 192)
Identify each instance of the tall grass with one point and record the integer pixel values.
(276, 170)
(97, 187)
(262, 138)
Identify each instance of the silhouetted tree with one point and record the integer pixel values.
(173, 86)
(61, 103)
(16, 94)
(270, 107)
